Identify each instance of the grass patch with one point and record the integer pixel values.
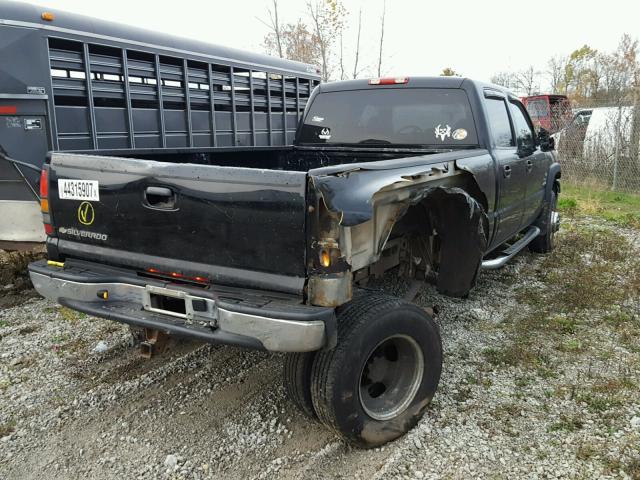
(586, 451)
(599, 403)
(7, 428)
(592, 268)
(462, 394)
(567, 424)
(70, 315)
(630, 467)
(519, 352)
(27, 329)
(573, 345)
(563, 324)
(507, 411)
(620, 318)
(613, 385)
(620, 208)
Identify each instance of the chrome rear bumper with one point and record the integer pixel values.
(227, 315)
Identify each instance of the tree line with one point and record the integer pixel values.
(587, 76)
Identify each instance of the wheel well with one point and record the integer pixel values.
(445, 234)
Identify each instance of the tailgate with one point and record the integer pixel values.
(233, 225)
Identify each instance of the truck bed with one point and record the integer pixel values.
(234, 218)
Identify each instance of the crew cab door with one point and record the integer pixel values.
(511, 169)
(536, 163)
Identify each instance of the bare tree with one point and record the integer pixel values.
(327, 17)
(384, 11)
(274, 25)
(505, 79)
(356, 72)
(297, 43)
(556, 70)
(342, 76)
(526, 81)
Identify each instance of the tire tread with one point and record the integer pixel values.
(296, 378)
(350, 318)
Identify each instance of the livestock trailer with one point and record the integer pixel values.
(79, 84)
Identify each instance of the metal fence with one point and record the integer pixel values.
(600, 147)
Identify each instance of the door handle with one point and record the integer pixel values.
(159, 192)
(162, 198)
(529, 165)
(507, 171)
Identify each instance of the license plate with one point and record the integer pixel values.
(78, 190)
(166, 301)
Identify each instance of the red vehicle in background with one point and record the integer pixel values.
(551, 112)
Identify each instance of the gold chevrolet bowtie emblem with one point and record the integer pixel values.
(86, 214)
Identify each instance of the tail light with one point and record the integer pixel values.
(44, 201)
(44, 183)
(389, 81)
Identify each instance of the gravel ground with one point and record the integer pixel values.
(535, 385)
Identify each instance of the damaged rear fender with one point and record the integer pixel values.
(369, 204)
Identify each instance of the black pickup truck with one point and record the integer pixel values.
(435, 178)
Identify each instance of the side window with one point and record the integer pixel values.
(499, 122)
(524, 133)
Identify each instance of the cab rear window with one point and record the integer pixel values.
(390, 116)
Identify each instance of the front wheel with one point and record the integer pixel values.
(549, 224)
(376, 384)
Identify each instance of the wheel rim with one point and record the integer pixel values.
(391, 377)
(554, 221)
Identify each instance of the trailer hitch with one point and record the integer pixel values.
(154, 342)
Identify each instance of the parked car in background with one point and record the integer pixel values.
(551, 112)
(596, 135)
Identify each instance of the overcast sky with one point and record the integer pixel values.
(475, 38)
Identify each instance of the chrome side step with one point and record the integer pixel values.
(510, 252)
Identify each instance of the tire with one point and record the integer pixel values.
(545, 242)
(297, 381)
(351, 394)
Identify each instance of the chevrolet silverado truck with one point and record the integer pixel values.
(431, 178)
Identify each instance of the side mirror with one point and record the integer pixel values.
(546, 141)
